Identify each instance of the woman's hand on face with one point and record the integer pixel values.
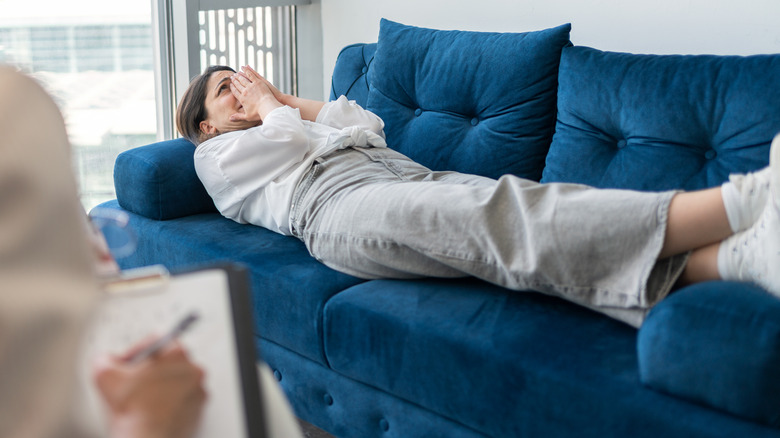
(163, 396)
(257, 96)
(251, 73)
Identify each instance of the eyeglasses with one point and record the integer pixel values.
(114, 225)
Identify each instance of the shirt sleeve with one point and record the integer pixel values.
(240, 163)
(343, 113)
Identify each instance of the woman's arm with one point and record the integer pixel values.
(339, 114)
(309, 108)
(247, 78)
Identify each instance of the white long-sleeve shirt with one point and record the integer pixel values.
(251, 175)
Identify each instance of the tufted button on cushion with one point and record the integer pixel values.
(352, 73)
(328, 399)
(474, 121)
(506, 82)
(418, 112)
(621, 144)
(691, 120)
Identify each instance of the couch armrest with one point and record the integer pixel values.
(158, 181)
(717, 344)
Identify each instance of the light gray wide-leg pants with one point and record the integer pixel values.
(374, 213)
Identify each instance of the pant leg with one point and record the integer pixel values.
(376, 214)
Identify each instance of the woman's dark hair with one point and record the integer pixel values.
(192, 108)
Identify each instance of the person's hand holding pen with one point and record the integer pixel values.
(151, 393)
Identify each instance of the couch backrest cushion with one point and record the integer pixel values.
(158, 181)
(656, 122)
(474, 102)
(352, 73)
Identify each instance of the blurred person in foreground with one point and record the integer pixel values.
(48, 292)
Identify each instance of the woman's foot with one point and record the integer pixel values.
(745, 195)
(754, 254)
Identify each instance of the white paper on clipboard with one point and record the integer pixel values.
(220, 341)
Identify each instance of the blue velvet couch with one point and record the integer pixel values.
(462, 358)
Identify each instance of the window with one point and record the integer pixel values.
(48, 48)
(134, 47)
(96, 59)
(99, 59)
(259, 36)
(229, 32)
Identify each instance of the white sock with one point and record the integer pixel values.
(731, 197)
(754, 254)
(744, 196)
(726, 264)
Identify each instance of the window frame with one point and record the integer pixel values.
(176, 41)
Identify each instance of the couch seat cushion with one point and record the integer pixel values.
(718, 344)
(656, 122)
(289, 287)
(474, 102)
(478, 355)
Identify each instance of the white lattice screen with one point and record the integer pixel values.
(193, 34)
(260, 36)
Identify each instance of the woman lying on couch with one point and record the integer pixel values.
(322, 172)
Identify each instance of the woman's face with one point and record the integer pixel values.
(220, 105)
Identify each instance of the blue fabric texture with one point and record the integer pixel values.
(480, 354)
(352, 74)
(473, 102)
(349, 408)
(717, 344)
(424, 355)
(462, 358)
(657, 122)
(158, 181)
(289, 287)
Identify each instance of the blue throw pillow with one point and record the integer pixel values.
(473, 102)
(657, 122)
(717, 344)
(158, 181)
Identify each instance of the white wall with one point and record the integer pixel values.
(739, 27)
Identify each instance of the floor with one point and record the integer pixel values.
(311, 431)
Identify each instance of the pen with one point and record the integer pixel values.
(163, 341)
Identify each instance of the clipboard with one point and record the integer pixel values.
(150, 301)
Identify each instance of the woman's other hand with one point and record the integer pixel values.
(163, 396)
(257, 96)
(250, 72)
(308, 108)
